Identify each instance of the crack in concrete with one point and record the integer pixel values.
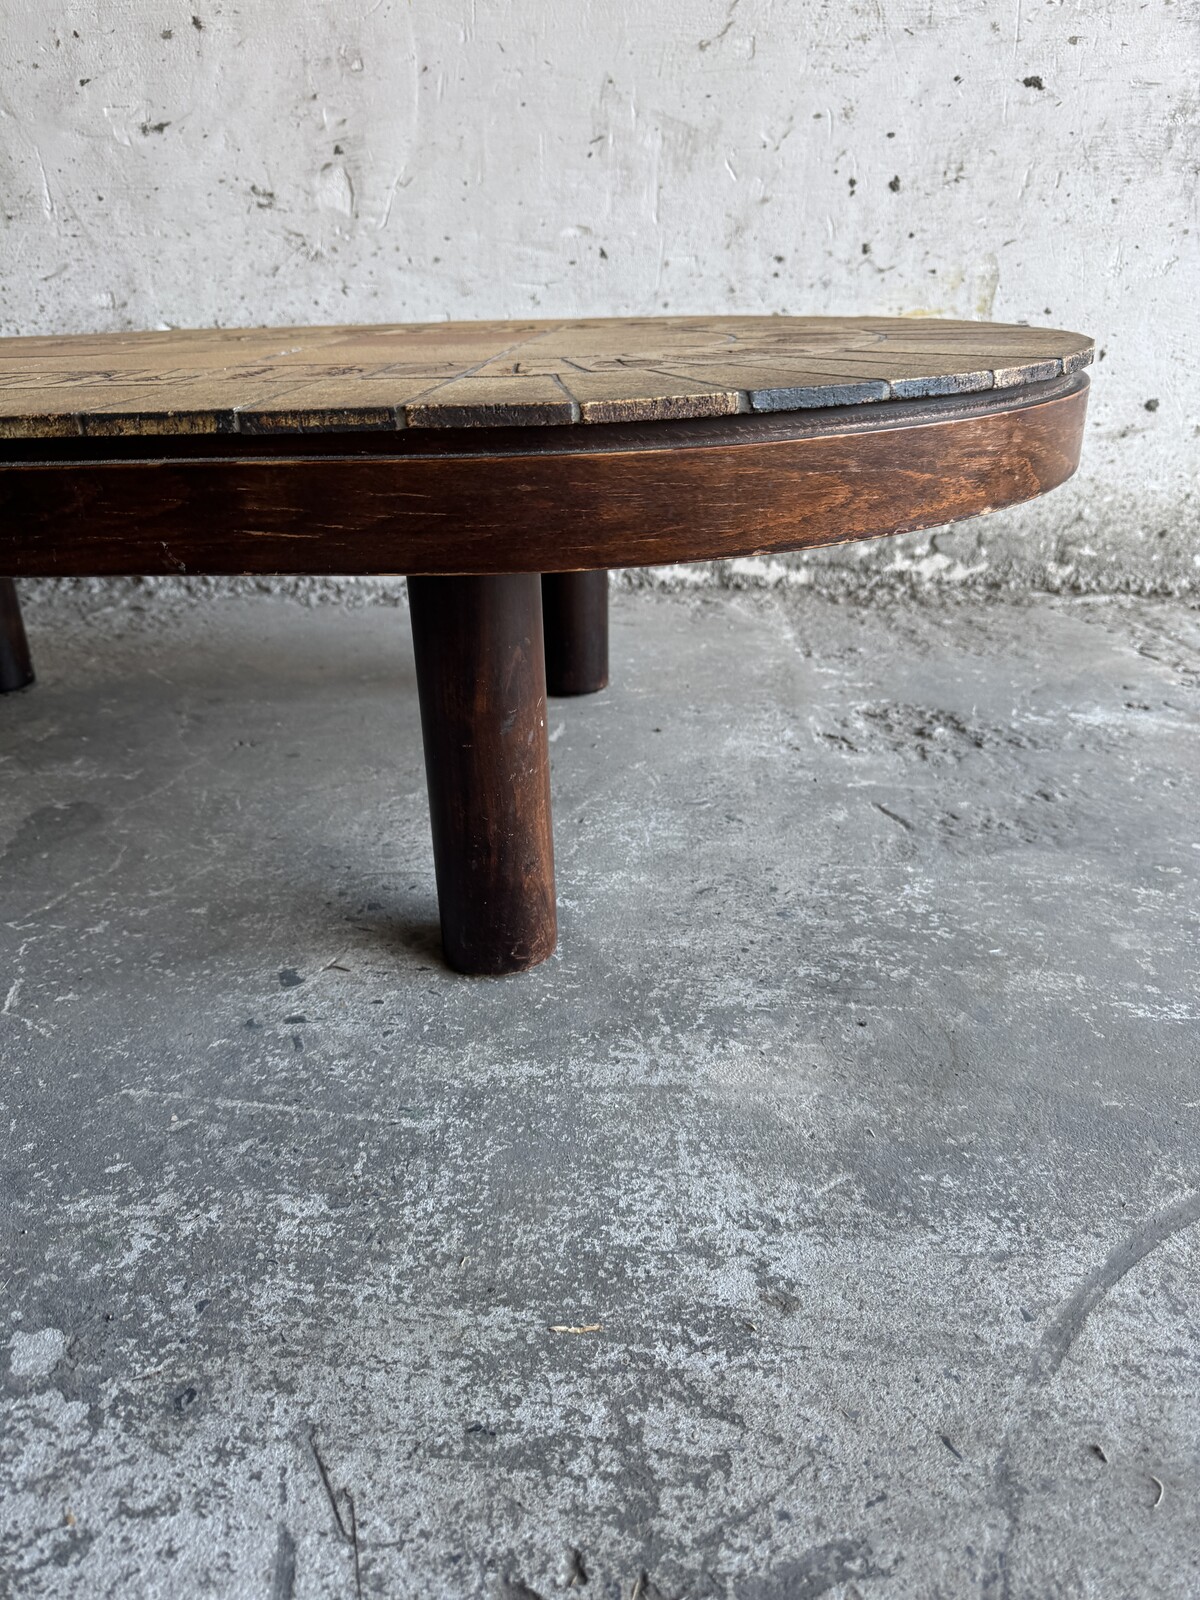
(1065, 1327)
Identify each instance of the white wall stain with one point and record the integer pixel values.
(429, 160)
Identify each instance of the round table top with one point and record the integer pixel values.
(504, 374)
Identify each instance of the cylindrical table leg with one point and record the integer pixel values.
(16, 664)
(575, 617)
(482, 685)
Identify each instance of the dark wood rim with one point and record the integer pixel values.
(517, 500)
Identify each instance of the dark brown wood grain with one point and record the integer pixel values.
(436, 452)
(548, 500)
(482, 686)
(575, 630)
(16, 664)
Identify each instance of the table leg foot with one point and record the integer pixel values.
(575, 616)
(481, 679)
(16, 664)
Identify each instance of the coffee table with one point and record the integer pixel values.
(503, 467)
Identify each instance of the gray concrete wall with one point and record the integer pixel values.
(414, 159)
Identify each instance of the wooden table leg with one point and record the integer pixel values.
(575, 616)
(16, 664)
(481, 678)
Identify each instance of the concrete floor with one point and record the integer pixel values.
(853, 1135)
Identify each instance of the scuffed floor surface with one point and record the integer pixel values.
(822, 1220)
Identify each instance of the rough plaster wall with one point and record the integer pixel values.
(414, 159)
